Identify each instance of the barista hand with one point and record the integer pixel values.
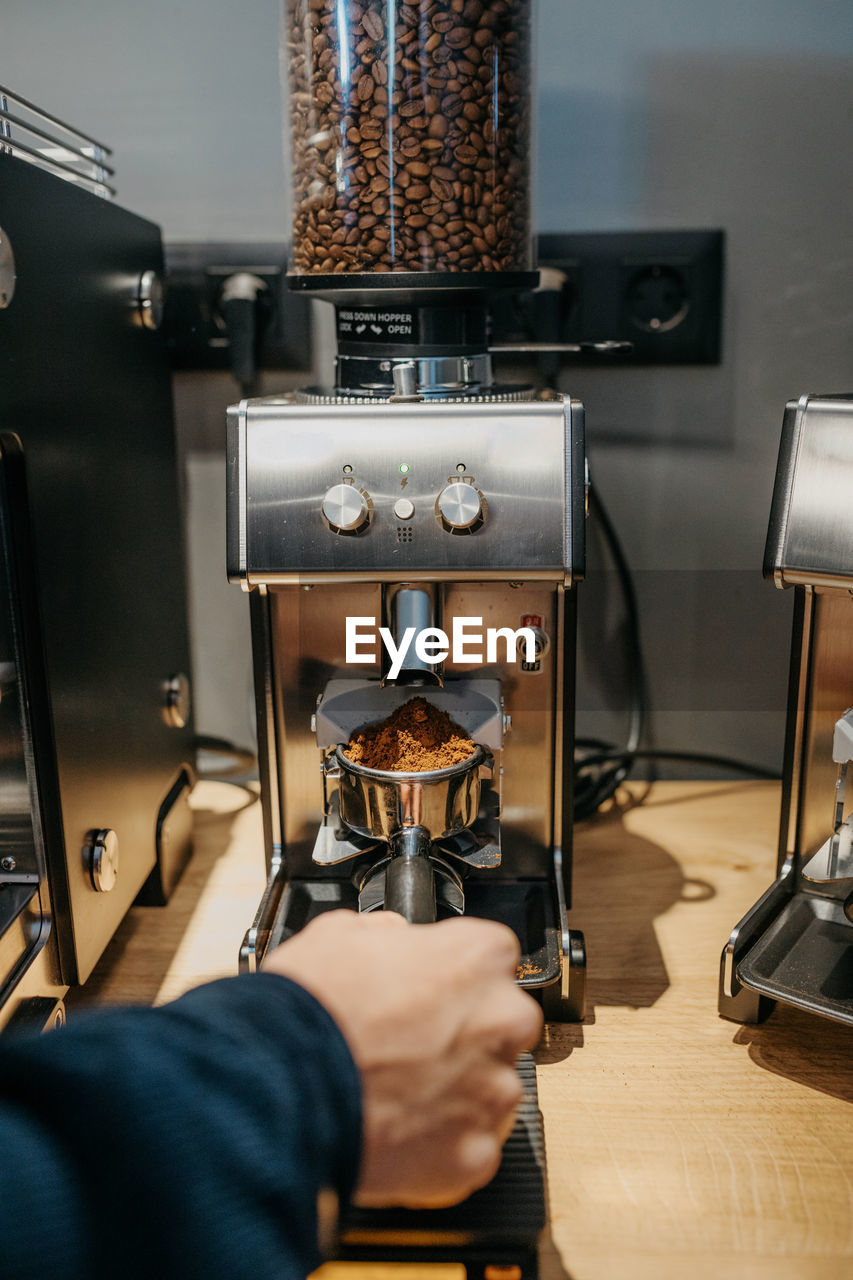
(435, 1022)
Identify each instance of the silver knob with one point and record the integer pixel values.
(460, 505)
(176, 701)
(150, 300)
(346, 508)
(7, 270)
(101, 853)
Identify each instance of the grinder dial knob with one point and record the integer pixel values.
(346, 508)
(460, 505)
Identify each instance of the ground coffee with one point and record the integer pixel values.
(415, 738)
(410, 134)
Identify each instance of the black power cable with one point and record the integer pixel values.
(690, 757)
(245, 306)
(598, 774)
(601, 768)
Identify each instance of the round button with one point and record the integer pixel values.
(404, 509)
(345, 507)
(176, 701)
(101, 853)
(460, 505)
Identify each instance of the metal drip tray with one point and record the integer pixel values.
(526, 907)
(805, 957)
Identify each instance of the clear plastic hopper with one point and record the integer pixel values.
(410, 135)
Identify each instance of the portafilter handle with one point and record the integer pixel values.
(409, 876)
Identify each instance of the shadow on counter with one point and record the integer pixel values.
(621, 884)
(812, 1051)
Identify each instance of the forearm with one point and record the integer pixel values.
(190, 1140)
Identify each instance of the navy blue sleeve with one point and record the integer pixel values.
(190, 1140)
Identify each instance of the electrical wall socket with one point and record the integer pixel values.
(195, 330)
(662, 291)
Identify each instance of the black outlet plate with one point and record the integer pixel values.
(196, 335)
(662, 291)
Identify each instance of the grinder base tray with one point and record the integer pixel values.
(498, 1226)
(805, 958)
(525, 906)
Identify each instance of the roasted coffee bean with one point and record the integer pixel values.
(440, 189)
(466, 155)
(458, 38)
(411, 117)
(373, 25)
(443, 22)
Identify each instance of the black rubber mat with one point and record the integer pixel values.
(509, 1211)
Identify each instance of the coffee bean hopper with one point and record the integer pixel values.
(415, 492)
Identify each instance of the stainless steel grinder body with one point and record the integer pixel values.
(295, 468)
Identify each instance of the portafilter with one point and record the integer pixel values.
(409, 811)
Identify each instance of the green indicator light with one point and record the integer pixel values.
(404, 468)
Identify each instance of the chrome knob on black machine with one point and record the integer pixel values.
(414, 530)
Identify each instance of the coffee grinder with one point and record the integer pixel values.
(417, 495)
(795, 944)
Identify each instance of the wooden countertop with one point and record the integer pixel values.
(680, 1146)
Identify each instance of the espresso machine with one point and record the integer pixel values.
(795, 944)
(416, 499)
(96, 737)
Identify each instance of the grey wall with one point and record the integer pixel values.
(186, 93)
(660, 113)
(674, 114)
